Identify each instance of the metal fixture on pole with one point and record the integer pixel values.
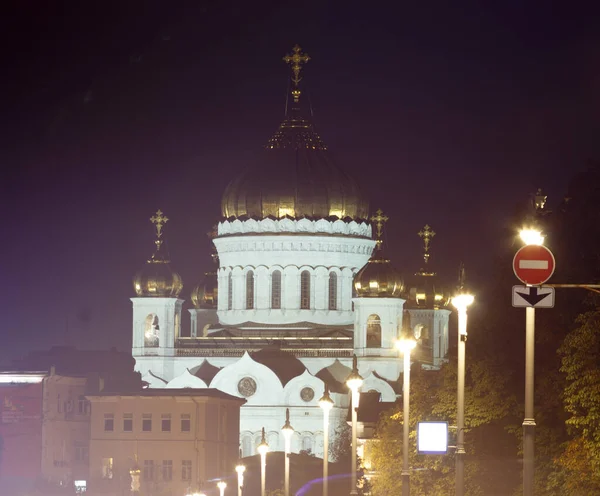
(287, 430)
(461, 301)
(406, 345)
(326, 404)
(354, 382)
(240, 469)
(263, 449)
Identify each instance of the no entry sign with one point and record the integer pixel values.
(534, 264)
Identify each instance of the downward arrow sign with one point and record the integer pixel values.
(533, 298)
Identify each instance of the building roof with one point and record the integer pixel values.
(168, 393)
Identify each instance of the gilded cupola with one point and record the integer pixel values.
(378, 278)
(156, 278)
(425, 290)
(295, 175)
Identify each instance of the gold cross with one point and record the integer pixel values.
(296, 59)
(426, 234)
(159, 220)
(379, 220)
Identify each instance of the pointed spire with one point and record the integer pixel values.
(296, 59)
(462, 277)
(379, 219)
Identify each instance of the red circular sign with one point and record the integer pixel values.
(534, 264)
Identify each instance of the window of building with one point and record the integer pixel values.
(373, 331)
(185, 422)
(167, 470)
(305, 290)
(147, 422)
(332, 291)
(127, 422)
(83, 406)
(276, 289)
(81, 453)
(151, 331)
(109, 422)
(165, 422)
(249, 290)
(148, 471)
(229, 292)
(186, 470)
(107, 468)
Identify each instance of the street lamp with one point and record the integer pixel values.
(406, 345)
(287, 430)
(240, 469)
(262, 449)
(221, 485)
(461, 301)
(529, 237)
(354, 382)
(326, 403)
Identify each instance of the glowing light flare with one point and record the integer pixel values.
(262, 448)
(21, 378)
(406, 344)
(531, 236)
(462, 301)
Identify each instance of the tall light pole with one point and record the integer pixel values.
(240, 469)
(221, 485)
(326, 403)
(263, 449)
(354, 382)
(461, 301)
(529, 237)
(406, 345)
(287, 430)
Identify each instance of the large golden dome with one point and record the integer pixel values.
(156, 278)
(294, 176)
(205, 294)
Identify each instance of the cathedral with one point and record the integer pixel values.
(302, 284)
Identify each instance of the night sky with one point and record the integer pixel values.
(448, 116)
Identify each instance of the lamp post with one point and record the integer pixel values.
(240, 469)
(326, 403)
(354, 382)
(287, 430)
(221, 485)
(262, 449)
(529, 237)
(406, 345)
(461, 301)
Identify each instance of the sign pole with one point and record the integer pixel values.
(529, 421)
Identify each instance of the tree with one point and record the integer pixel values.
(433, 397)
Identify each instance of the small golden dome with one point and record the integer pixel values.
(156, 278)
(378, 279)
(205, 294)
(425, 292)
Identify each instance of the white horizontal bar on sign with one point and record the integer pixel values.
(533, 264)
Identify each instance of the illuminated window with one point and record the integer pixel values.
(276, 289)
(373, 331)
(107, 468)
(127, 422)
(186, 470)
(167, 470)
(249, 290)
(151, 329)
(165, 422)
(305, 290)
(148, 472)
(185, 422)
(229, 291)
(109, 422)
(332, 291)
(147, 422)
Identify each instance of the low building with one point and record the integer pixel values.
(178, 438)
(20, 431)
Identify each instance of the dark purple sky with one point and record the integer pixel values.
(447, 115)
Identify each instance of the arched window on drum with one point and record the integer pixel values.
(305, 290)
(276, 289)
(333, 280)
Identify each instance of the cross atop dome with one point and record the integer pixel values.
(296, 59)
(379, 219)
(159, 220)
(426, 234)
